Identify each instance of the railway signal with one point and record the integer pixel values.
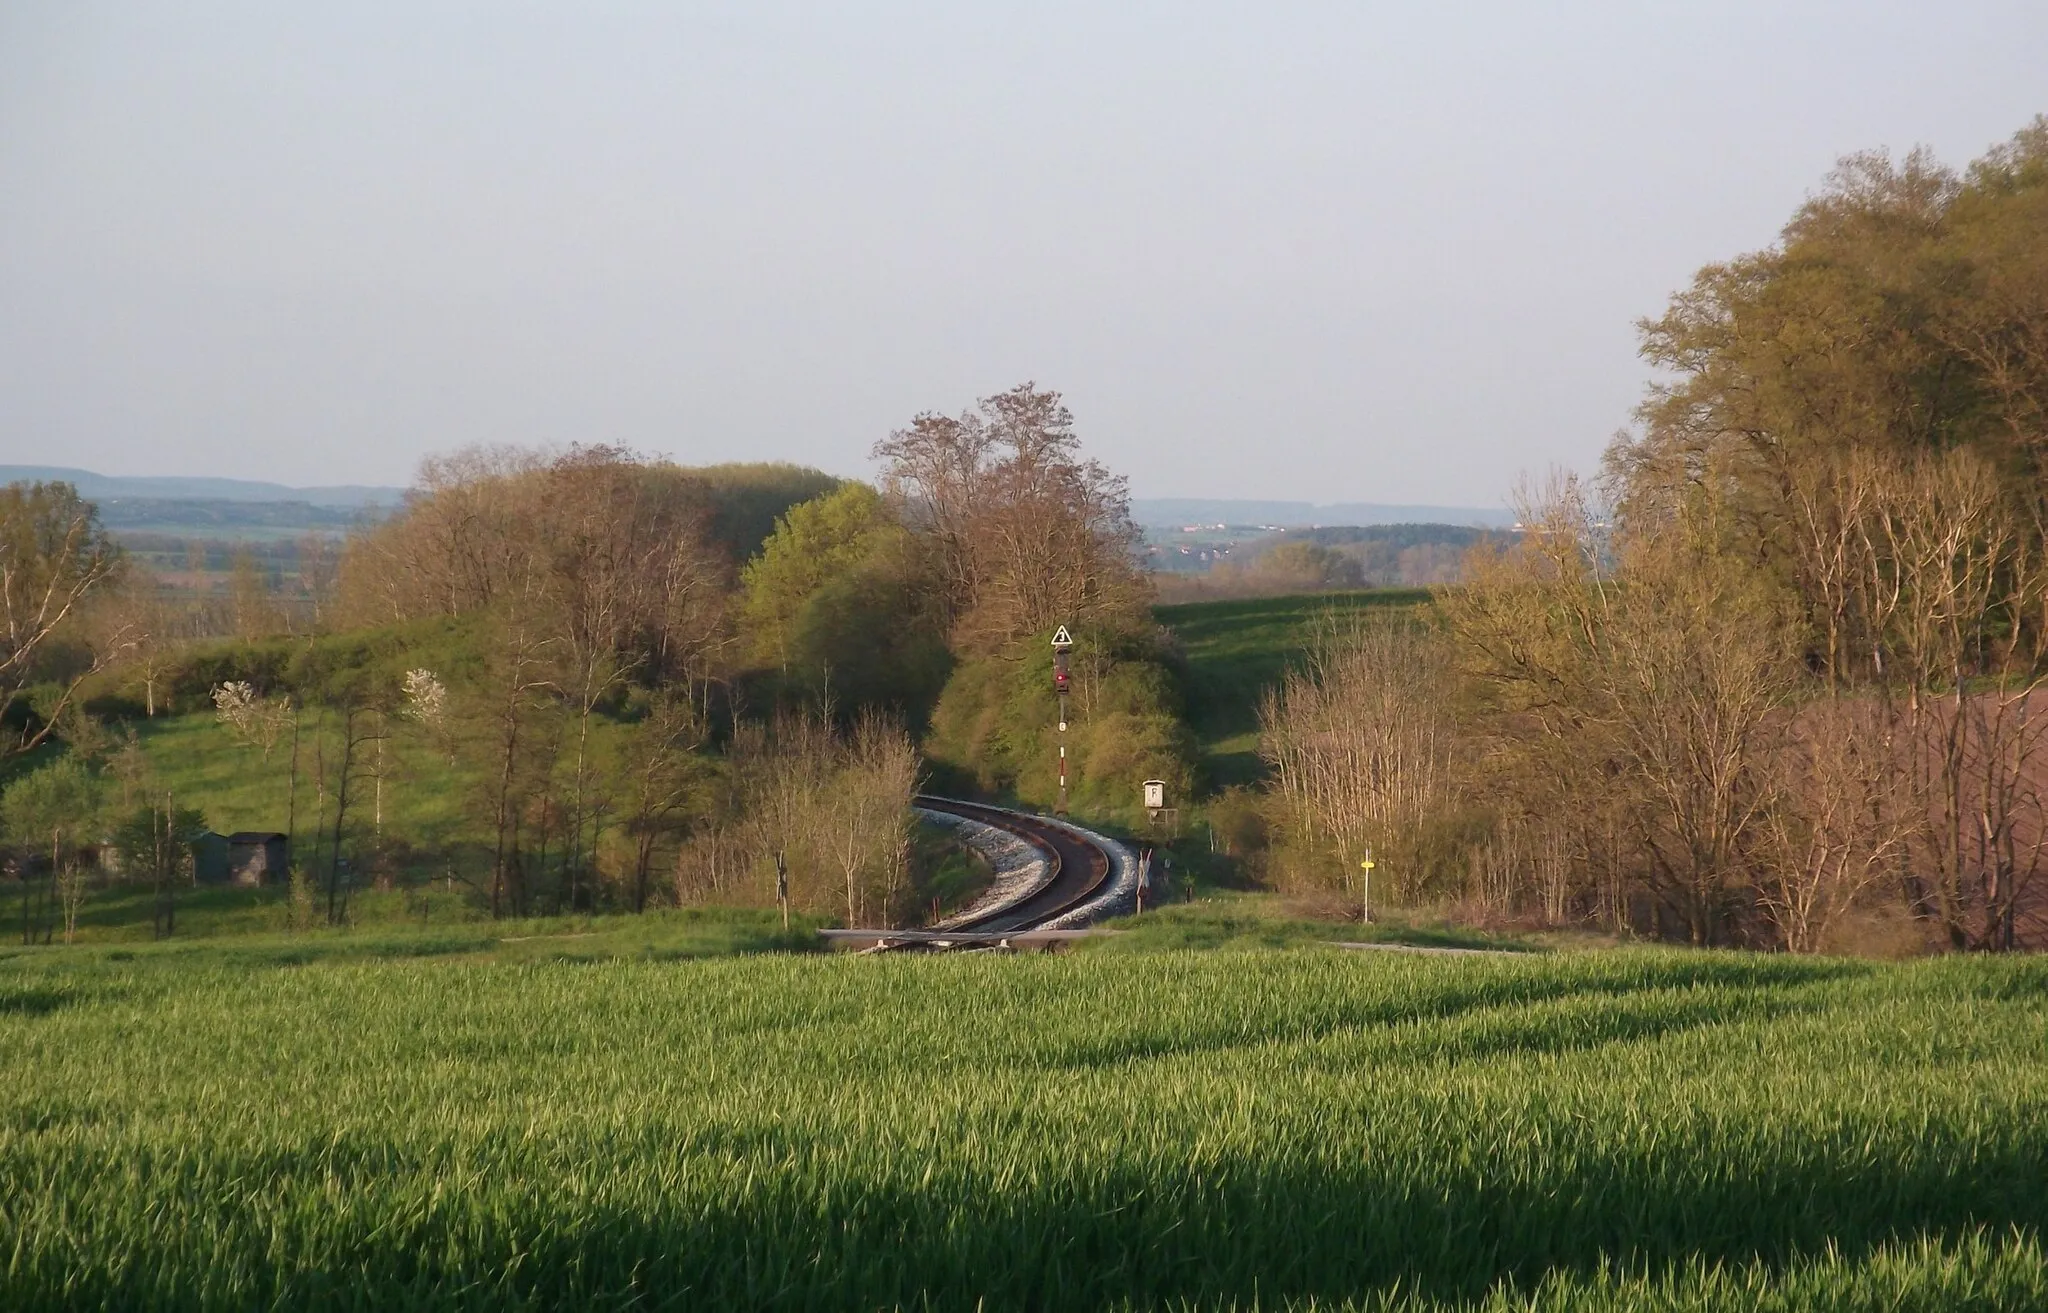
(1062, 643)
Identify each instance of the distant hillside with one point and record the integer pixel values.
(106, 487)
(1179, 512)
(228, 520)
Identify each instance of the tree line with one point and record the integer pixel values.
(1787, 655)
(646, 684)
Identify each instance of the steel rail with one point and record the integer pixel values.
(1078, 868)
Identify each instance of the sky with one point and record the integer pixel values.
(1323, 252)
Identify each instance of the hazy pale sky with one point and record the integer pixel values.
(1333, 252)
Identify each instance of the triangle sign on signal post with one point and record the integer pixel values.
(1061, 638)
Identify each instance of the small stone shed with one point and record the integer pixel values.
(257, 857)
(246, 857)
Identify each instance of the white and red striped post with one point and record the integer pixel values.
(1062, 643)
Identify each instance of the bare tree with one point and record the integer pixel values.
(1840, 827)
(519, 688)
(1957, 572)
(364, 725)
(318, 566)
(1027, 533)
(1638, 688)
(1359, 739)
(867, 830)
(152, 625)
(662, 779)
(55, 559)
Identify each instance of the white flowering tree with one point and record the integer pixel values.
(255, 719)
(426, 698)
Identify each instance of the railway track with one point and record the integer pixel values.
(1087, 877)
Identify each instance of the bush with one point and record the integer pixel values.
(996, 726)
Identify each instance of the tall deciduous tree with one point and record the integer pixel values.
(1640, 688)
(841, 603)
(55, 561)
(1026, 533)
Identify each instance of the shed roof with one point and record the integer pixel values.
(255, 836)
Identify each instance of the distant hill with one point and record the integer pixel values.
(1178, 512)
(228, 520)
(107, 487)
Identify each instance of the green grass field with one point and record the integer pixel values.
(255, 924)
(189, 1127)
(432, 806)
(1236, 649)
(1227, 919)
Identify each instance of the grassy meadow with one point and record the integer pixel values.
(1236, 649)
(430, 807)
(210, 1127)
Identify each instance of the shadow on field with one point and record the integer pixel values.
(1682, 996)
(1079, 1237)
(32, 1002)
(2021, 981)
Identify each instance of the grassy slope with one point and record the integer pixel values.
(1235, 650)
(204, 766)
(1628, 1130)
(426, 922)
(432, 818)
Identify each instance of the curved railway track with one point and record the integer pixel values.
(1079, 869)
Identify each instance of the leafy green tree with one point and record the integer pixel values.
(1903, 314)
(50, 811)
(839, 605)
(813, 544)
(155, 844)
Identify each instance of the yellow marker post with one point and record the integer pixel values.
(1366, 866)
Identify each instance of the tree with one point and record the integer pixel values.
(316, 560)
(154, 623)
(1638, 689)
(661, 779)
(1306, 567)
(510, 736)
(1955, 573)
(627, 584)
(1841, 825)
(1360, 741)
(255, 603)
(155, 844)
(51, 810)
(1903, 314)
(591, 573)
(840, 603)
(1868, 400)
(1024, 532)
(253, 718)
(867, 834)
(55, 560)
(814, 544)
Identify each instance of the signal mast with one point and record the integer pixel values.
(1062, 643)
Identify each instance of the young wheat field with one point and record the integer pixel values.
(211, 1127)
